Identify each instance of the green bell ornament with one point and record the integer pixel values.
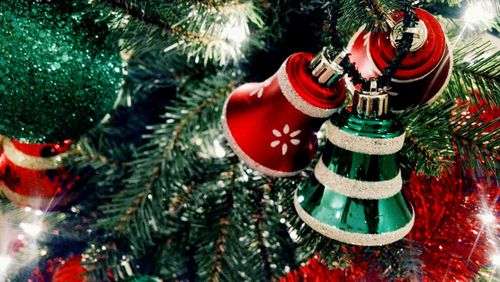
(355, 195)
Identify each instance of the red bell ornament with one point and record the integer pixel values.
(425, 71)
(272, 125)
(33, 175)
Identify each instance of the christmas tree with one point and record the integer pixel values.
(240, 140)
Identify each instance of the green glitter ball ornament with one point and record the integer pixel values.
(60, 71)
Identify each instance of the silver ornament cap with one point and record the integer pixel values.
(326, 68)
(372, 103)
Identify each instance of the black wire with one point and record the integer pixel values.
(332, 16)
(403, 45)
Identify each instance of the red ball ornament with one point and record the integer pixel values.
(272, 125)
(425, 71)
(70, 271)
(1, 142)
(33, 175)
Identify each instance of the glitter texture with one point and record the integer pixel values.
(294, 98)
(362, 144)
(349, 237)
(368, 190)
(60, 71)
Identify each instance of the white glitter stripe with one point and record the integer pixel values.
(349, 237)
(296, 100)
(244, 157)
(32, 201)
(362, 144)
(26, 161)
(368, 190)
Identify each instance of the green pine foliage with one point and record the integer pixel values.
(428, 148)
(476, 76)
(208, 216)
(178, 204)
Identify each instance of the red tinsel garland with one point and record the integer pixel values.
(449, 225)
(316, 271)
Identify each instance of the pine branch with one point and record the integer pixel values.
(275, 250)
(178, 201)
(208, 32)
(175, 260)
(428, 148)
(220, 243)
(253, 245)
(214, 224)
(137, 209)
(477, 141)
(152, 74)
(372, 13)
(375, 9)
(396, 261)
(140, 10)
(476, 76)
(259, 217)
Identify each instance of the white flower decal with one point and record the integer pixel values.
(260, 91)
(284, 145)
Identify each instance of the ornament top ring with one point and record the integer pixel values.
(419, 35)
(425, 71)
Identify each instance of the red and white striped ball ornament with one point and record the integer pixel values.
(272, 125)
(71, 270)
(33, 175)
(425, 71)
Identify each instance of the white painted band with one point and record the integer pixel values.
(35, 202)
(362, 144)
(368, 190)
(350, 237)
(296, 100)
(26, 161)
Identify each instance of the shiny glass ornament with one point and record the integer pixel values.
(425, 71)
(60, 71)
(33, 175)
(272, 125)
(355, 195)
